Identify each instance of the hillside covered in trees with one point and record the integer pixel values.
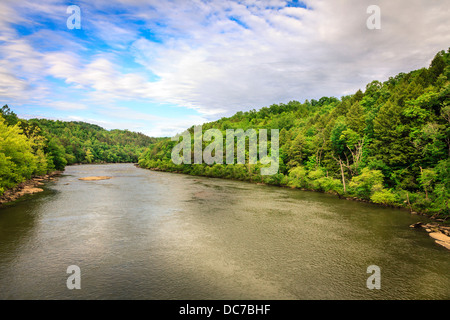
(34, 147)
(389, 144)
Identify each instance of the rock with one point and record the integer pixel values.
(32, 190)
(432, 225)
(441, 239)
(439, 236)
(95, 178)
(416, 225)
(444, 244)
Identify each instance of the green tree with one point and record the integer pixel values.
(89, 156)
(10, 117)
(17, 158)
(364, 184)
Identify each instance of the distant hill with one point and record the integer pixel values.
(34, 147)
(89, 143)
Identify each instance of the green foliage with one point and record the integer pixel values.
(18, 161)
(298, 177)
(364, 184)
(57, 153)
(427, 179)
(37, 146)
(389, 144)
(375, 141)
(80, 142)
(8, 115)
(383, 196)
(436, 184)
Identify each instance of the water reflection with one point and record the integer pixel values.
(155, 235)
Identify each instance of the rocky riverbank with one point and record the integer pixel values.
(28, 187)
(440, 233)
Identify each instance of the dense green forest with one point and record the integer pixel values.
(34, 147)
(389, 144)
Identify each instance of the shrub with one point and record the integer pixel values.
(298, 177)
(383, 196)
(363, 184)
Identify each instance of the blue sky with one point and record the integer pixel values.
(159, 67)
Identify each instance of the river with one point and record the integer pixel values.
(157, 235)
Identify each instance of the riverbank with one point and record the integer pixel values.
(440, 233)
(33, 185)
(30, 186)
(250, 240)
(436, 230)
(406, 207)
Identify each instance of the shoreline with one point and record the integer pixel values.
(418, 213)
(30, 186)
(436, 230)
(439, 233)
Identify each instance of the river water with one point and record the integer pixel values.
(156, 235)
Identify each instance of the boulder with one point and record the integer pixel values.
(95, 178)
(441, 239)
(416, 225)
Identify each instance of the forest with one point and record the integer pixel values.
(388, 144)
(34, 147)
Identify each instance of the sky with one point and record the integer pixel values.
(159, 67)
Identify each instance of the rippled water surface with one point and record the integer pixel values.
(156, 235)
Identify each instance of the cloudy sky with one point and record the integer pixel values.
(158, 67)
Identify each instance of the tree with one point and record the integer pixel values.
(363, 185)
(89, 156)
(295, 151)
(437, 65)
(356, 119)
(427, 179)
(392, 143)
(16, 153)
(10, 117)
(56, 152)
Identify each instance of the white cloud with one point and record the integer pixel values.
(216, 57)
(66, 105)
(291, 53)
(10, 85)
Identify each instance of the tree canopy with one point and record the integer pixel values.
(34, 147)
(389, 144)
